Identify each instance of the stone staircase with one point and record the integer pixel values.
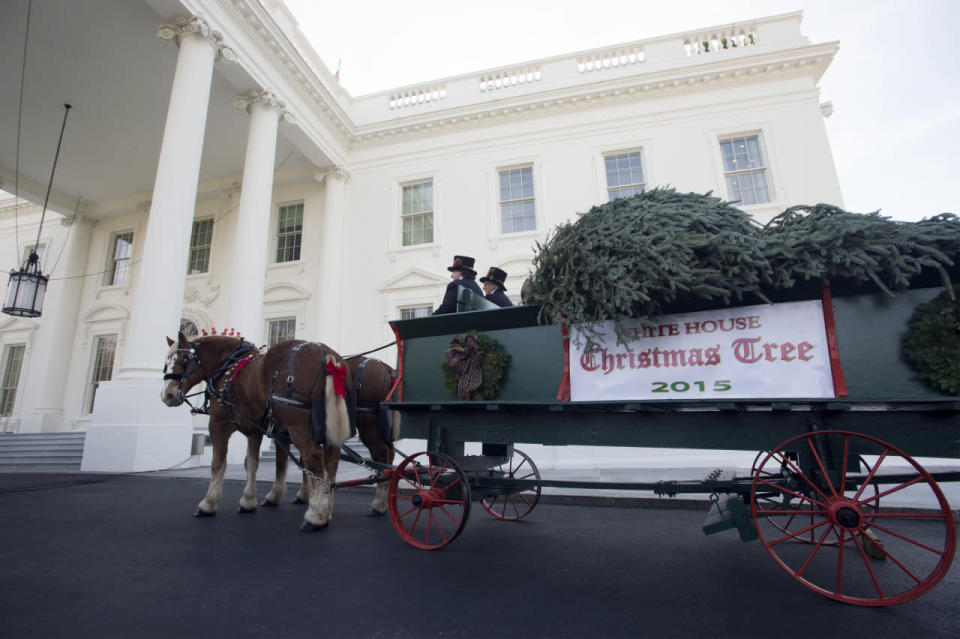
(41, 452)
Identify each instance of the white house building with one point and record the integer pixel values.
(214, 173)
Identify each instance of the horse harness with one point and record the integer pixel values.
(220, 383)
(292, 398)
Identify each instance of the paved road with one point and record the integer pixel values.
(120, 556)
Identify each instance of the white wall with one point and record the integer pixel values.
(676, 128)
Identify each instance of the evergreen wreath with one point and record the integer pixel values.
(473, 367)
(932, 342)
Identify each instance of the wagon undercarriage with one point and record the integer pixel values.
(835, 494)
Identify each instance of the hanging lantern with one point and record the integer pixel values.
(26, 289)
(27, 286)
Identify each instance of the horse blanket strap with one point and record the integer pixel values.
(358, 374)
(289, 401)
(317, 407)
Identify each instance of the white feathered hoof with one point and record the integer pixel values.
(266, 503)
(373, 512)
(202, 513)
(243, 510)
(307, 527)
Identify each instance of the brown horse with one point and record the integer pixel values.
(378, 428)
(257, 393)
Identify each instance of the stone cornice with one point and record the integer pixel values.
(17, 206)
(810, 61)
(308, 78)
(763, 50)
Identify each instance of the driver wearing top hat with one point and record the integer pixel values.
(463, 275)
(493, 286)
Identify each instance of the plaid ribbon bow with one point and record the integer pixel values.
(467, 360)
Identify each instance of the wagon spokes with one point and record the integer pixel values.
(869, 549)
(515, 503)
(421, 488)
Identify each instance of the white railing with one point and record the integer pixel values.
(507, 78)
(415, 96)
(714, 41)
(612, 59)
(650, 56)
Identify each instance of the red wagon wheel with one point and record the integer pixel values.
(798, 519)
(428, 500)
(881, 554)
(515, 505)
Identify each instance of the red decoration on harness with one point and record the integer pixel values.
(241, 364)
(339, 377)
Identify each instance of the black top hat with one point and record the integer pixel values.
(462, 263)
(497, 276)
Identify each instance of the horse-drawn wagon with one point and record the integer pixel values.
(836, 383)
(824, 494)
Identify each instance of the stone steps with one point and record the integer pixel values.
(41, 452)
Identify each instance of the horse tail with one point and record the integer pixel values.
(338, 419)
(395, 434)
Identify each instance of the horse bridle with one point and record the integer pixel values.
(186, 358)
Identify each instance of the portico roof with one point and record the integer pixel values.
(104, 58)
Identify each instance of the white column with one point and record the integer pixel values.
(131, 429)
(158, 300)
(329, 302)
(245, 280)
(50, 359)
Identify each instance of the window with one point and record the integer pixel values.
(289, 232)
(118, 264)
(417, 213)
(624, 174)
(12, 362)
(281, 330)
(516, 200)
(744, 170)
(200, 240)
(106, 350)
(413, 312)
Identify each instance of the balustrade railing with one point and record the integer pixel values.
(612, 59)
(714, 41)
(415, 96)
(509, 78)
(651, 55)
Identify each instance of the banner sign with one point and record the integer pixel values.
(766, 351)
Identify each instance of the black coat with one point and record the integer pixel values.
(498, 297)
(449, 304)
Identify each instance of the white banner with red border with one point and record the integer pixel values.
(746, 352)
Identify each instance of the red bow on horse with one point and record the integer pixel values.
(339, 377)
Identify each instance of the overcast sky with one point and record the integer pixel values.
(895, 130)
